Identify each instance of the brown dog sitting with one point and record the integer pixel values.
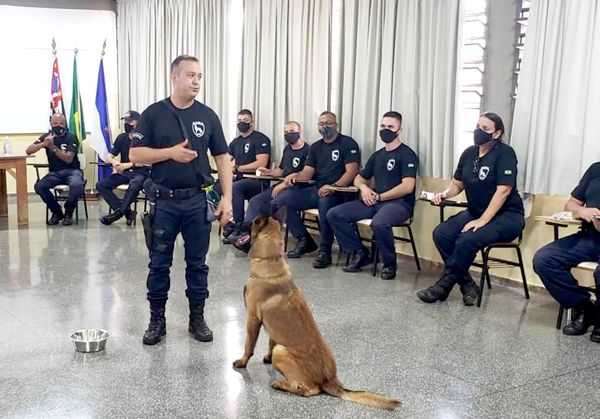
(296, 347)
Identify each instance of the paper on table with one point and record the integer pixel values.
(427, 195)
(563, 215)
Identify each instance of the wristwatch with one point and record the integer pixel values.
(377, 197)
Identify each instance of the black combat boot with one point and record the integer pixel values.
(438, 291)
(56, 217)
(306, 244)
(69, 210)
(198, 326)
(469, 289)
(357, 260)
(108, 219)
(130, 217)
(157, 328)
(582, 317)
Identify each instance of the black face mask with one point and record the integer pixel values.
(58, 131)
(387, 135)
(292, 137)
(129, 128)
(480, 137)
(327, 132)
(243, 126)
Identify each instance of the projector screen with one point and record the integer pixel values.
(26, 64)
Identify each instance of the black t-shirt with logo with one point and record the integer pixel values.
(121, 147)
(66, 142)
(244, 150)
(292, 161)
(588, 191)
(390, 167)
(329, 160)
(482, 175)
(158, 127)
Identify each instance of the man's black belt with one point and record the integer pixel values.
(160, 192)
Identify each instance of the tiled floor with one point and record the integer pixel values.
(445, 360)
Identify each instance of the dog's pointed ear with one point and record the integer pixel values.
(280, 215)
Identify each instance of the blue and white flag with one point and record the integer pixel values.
(101, 132)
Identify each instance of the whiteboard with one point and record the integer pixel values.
(26, 64)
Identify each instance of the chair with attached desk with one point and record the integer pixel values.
(61, 192)
(487, 262)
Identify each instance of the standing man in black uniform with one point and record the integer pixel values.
(174, 136)
(292, 161)
(388, 204)
(61, 150)
(126, 173)
(250, 150)
(333, 160)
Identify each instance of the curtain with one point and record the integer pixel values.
(286, 65)
(555, 130)
(401, 55)
(152, 33)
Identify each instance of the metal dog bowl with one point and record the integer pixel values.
(90, 340)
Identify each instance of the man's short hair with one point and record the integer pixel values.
(179, 60)
(294, 123)
(328, 113)
(395, 115)
(246, 112)
(57, 114)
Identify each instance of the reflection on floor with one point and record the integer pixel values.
(505, 359)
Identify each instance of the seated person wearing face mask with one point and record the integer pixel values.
(388, 204)
(126, 173)
(553, 262)
(487, 172)
(249, 151)
(292, 161)
(333, 160)
(61, 149)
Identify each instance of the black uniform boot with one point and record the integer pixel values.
(69, 210)
(582, 317)
(306, 244)
(469, 289)
(595, 336)
(198, 326)
(438, 291)
(108, 219)
(56, 217)
(130, 217)
(357, 260)
(157, 328)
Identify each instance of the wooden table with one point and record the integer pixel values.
(262, 177)
(446, 203)
(276, 178)
(556, 224)
(348, 189)
(15, 166)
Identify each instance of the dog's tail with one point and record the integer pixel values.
(335, 388)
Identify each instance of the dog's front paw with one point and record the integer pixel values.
(267, 359)
(240, 363)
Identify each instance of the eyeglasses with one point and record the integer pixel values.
(476, 165)
(326, 124)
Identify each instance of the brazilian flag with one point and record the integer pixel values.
(76, 124)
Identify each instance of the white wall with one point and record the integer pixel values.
(25, 47)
